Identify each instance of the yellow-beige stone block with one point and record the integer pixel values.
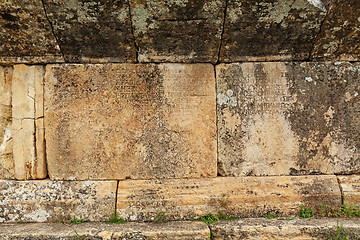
(54, 201)
(6, 155)
(27, 125)
(351, 189)
(237, 196)
(138, 121)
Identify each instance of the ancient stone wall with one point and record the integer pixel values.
(182, 106)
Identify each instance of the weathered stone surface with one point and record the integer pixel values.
(44, 200)
(239, 196)
(283, 229)
(6, 156)
(130, 121)
(351, 189)
(93, 31)
(178, 31)
(97, 231)
(270, 30)
(340, 33)
(27, 122)
(25, 33)
(288, 118)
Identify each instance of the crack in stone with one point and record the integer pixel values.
(132, 32)
(311, 53)
(52, 30)
(222, 33)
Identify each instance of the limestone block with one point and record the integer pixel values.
(340, 33)
(27, 126)
(97, 231)
(266, 229)
(45, 201)
(25, 33)
(135, 121)
(6, 156)
(270, 30)
(238, 196)
(351, 189)
(288, 118)
(178, 31)
(92, 31)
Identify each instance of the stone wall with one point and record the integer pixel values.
(134, 100)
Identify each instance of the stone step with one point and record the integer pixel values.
(179, 199)
(260, 228)
(248, 228)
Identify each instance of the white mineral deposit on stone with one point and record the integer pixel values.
(6, 138)
(38, 216)
(133, 217)
(222, 98)
(318, 4)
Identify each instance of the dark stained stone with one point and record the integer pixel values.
(178, 30)
(270, 30)
(288, 118)
(93, 31)
(340, 34)
(25, 33)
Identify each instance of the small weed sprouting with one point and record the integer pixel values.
(160, 218)
(78, 221)
(115, 219)
(343, 211)
(305, 212)
(286, 219)
(340, 234)
(210, 218)
(78, 236)
(350, 211)
(212, 235)
(270, 216)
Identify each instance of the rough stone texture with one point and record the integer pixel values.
(97, 231)
(6, 156)
(283, 229)
(27, 122)
(288, 118)
(93, 31)
(25, 33)
(239, 196)
(340, 33)
(351, 189)
(134, 121)
(178, 30)
(270, 30)
(44, 200)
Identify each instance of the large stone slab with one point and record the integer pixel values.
(270, 30)
(178, 31)
(286, 229)
(97, 231)
(6, 153)
(288, 118)
(340, 33)
(93, 31)
(350, 186)
(27, 122)
(54, 201)
(236, 196)
(134, 121)
(25, 33)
